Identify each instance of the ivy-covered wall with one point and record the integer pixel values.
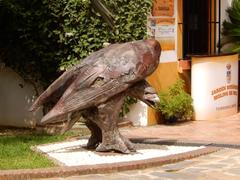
(40, 38)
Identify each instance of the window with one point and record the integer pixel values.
(200, 27)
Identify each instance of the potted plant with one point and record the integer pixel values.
(175, 104)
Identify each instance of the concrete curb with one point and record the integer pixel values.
(24, 174)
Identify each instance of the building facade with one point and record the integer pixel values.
(186, 28)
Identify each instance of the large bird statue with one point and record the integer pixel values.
(96, 87)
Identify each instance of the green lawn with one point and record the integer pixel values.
(16, 153)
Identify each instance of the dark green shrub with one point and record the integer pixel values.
(175, 103)
(128, 101)
(40, 38)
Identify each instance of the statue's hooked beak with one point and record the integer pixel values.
(144, 92)
(150, 97)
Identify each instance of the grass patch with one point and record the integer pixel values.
(16, 153)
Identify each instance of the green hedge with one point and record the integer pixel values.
(40, 38)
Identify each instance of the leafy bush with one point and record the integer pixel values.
(40, 38)
(128, 101)
(231, 29)
(176, 104)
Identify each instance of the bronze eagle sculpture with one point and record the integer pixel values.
(96, 87)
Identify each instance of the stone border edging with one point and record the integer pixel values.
(24, 174)
(179, 142)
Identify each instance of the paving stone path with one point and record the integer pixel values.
(222, 165)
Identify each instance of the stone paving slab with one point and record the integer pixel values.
(210, 167)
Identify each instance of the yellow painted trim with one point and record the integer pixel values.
(179, 28)
(165, 75)
(211, 18)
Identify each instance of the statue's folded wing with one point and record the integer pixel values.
(58, 87)
(85, 92)
(55, 90)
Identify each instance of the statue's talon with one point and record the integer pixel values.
(102, 148)
(116, 147)
(128, 143)
(132, 148)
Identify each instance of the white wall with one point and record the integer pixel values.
(138, 114)
(225, 4)
(16, 96)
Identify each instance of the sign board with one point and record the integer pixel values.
(163, 30)
(163, 8)
(215, 86)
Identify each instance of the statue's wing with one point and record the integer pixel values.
(59, 86)
(55, 90)
(78, 98)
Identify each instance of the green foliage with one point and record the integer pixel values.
(231, 29)
(176, 103)
(128, 101)
(40, 38)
